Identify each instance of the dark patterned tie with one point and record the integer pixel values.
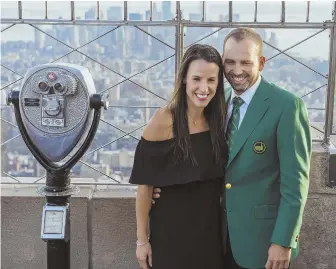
(234, 121)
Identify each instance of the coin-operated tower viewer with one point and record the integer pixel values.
(57, 111)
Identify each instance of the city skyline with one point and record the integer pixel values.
(127, 51)
(163, 10)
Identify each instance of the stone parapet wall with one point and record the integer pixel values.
(103, 225)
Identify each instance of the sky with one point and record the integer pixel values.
(267, 12)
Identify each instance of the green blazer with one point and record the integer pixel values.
(267, 176)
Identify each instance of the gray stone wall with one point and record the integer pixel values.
(103, 226)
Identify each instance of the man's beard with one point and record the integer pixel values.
(237, 87)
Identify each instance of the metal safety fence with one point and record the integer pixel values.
(117, 31)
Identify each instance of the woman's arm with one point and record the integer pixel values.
(158, 128)
(143, 205)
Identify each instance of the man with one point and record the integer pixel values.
(266, 182)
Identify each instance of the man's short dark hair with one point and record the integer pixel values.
(243, 33)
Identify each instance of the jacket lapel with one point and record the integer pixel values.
(255, 112)
(227, 93)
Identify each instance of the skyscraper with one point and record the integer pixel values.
(38, 39)
(117, 36)
(114, 14)
(136, 35)
(90, 14)
(166, 10)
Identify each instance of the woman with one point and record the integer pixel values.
(183, 151)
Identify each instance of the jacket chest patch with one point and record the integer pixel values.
(259, 147)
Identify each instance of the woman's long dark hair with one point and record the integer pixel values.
(214, 112)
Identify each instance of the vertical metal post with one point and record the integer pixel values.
(331, 83)
(20, 10)
(255, 11)
(179, 38)
(58, 251)
(46, 10)
(308, 11)
(283, 11)
(151, 10)
(182, 41)
(57, 254)
(203, 10)
(230, 11)
(98, 11)
(72, 6)
(125, 10)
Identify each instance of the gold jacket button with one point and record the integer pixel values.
(228, 186)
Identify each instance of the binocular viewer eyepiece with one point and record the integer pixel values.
(55, 102)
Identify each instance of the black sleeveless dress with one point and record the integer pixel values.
(185, 223)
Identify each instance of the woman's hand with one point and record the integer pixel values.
(156, 194)
(144, 254)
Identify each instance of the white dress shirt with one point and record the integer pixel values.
(247, 96)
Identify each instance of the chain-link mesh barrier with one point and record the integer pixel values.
(134, 57)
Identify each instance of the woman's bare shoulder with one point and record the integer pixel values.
(159, 126)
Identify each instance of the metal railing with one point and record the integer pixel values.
(180, 24)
